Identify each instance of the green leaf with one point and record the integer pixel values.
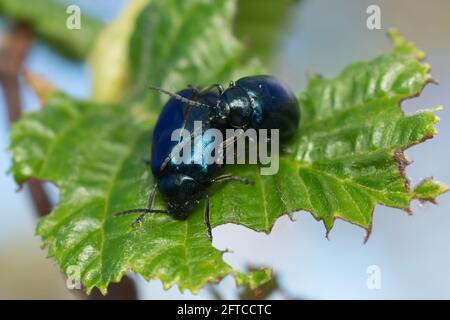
(348, 154)
(427, 190)
(346, 157)
(94, 153)
(105, 174)
(177, 42)
(48, 20)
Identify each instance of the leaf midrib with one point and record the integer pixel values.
(350, 182)
(110, 188)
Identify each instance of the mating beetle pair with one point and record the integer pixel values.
(258, 102)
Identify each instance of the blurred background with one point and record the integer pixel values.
(412, 252)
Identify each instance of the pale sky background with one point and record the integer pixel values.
(323, 36)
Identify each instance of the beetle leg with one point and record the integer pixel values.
(151, 197)
(186, 114)
(206, 218)
(227, 177)
(142, 211)
(217, 86)
(150, 202)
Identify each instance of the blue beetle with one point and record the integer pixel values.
(259, 102)
(183, 185)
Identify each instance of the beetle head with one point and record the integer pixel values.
(236, 107)
(181, 193)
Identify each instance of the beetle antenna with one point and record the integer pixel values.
(179, 97)
(143, 210)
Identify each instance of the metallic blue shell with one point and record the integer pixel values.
(172, 118)
(275, 106)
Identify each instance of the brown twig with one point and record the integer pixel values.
(12, 56)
